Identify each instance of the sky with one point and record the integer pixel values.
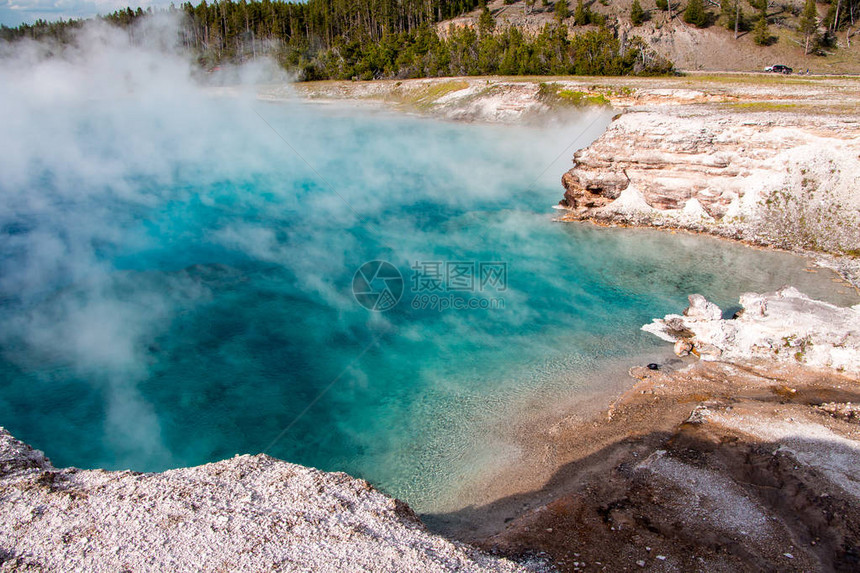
(15, 12)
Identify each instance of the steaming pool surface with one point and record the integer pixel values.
(176, 284)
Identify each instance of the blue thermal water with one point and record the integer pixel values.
(177, 287)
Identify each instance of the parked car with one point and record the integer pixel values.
(779, 69)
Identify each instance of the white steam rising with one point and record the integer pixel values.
(81, 129)
(99, 135)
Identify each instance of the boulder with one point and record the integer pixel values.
(701, 309)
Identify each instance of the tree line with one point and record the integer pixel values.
(374, 39)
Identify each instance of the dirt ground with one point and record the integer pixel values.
(707, 467)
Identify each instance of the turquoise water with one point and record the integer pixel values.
(176, 285)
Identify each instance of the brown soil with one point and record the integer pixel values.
(688, 471)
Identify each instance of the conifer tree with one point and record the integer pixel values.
(809, 24)
(695, 14)
(637, 14)
(732, 16)
(727, 13)
(486, 22)
(582, 15)
(761, 32)
(561, 10)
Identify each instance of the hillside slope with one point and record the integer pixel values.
(690, 48)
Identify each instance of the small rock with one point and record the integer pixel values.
(700, 308)
(661, 557)
(640, 563)
(789, 555)
(698, 416)
(683, 347)
(676, 327)
(846, 410)
(706, 351)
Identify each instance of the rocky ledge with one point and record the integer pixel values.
(743, 461)
(712, 466)
(777, 179)
(250, 513)
(786, 326)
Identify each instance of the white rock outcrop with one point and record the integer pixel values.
(778, 179)
(249, 513)
(785, 325)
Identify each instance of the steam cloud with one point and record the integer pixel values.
(94, 135)
(102, 136)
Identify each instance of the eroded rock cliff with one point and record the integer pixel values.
(777, 179)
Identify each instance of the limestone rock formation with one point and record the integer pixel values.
(786, 180)
(786, 325)
(250, 513)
